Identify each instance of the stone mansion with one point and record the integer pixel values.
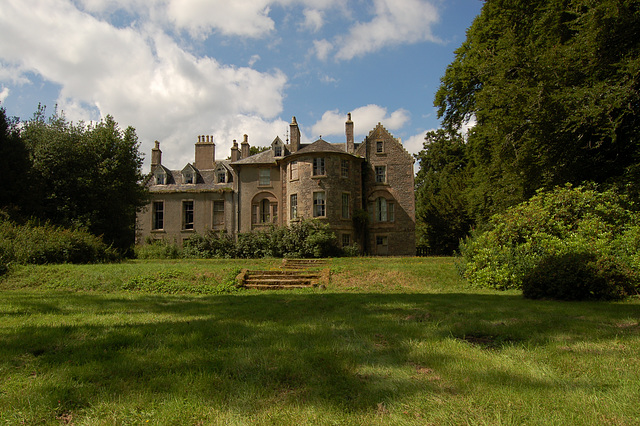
(364, 191)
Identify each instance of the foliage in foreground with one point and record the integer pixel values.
(41, 244)
(556, 230)
(304, 239)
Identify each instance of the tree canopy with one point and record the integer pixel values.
(81, 175)
(554, 87)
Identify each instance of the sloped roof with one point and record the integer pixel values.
(321, 146)
(264, 157)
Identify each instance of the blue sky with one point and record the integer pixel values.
(176, 69)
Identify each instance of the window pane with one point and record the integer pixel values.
(158, 215)
(391, 212)
(187, 217)
(318, 166)
(345, 206)
(218, 213)
(265, 177)
(294, 170)
(293, 206)
(379, 146)
(381, 206)
(381, 174)
(318, 204)
(345, 168)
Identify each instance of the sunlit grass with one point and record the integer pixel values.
(390, 341)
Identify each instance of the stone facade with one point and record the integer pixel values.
(364, 191)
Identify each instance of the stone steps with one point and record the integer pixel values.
(303, 263)
(298, 276)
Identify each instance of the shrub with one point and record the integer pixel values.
(579, 276)
(158, 249)
(40, 244)
(213, 244)
(550, 225)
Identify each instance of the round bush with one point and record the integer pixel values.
(579, 276)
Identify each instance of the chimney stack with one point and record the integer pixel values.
(351, 147)
(205, 153)
(235, 152)
(294, 131)
(156, 156)
(245, 148)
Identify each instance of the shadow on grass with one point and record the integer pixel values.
(245, 352)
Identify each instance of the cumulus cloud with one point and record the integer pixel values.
(364, 120)
(395, 22)
(322, 49)
(139, 75)
(313, 20)
(3, 94)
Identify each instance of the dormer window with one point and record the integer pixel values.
(277, 151)
(160, 179)
(221, 176)
(188, 177)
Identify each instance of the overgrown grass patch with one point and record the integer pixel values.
(418, 352)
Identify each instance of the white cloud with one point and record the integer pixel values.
(3, 94)
(364, 120)
(395, 22)
(139, 75)
(322, 49)
(253, 60)
(313, 20)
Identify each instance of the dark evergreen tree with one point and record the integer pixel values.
(441, 208)
(14, 166)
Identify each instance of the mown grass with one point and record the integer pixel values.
(390, 341)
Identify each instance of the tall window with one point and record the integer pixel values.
(319, 208)
(385, 210)
(379, 147)
(381, 174)
(318, 166)
(345, 205)
(218, 214)
(344, 168)
(265, 211)
(265, 216)
(293, 170)
(222, 176)
(265, 177)
(158, 215)
(277, 151)
(187, 215)
(293, 206)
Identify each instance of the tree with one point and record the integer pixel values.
(86, 176)
(14, 164)
(555, 89)
(441, 212)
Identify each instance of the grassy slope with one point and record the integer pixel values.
(391, 341)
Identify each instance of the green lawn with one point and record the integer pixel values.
(390, 341)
